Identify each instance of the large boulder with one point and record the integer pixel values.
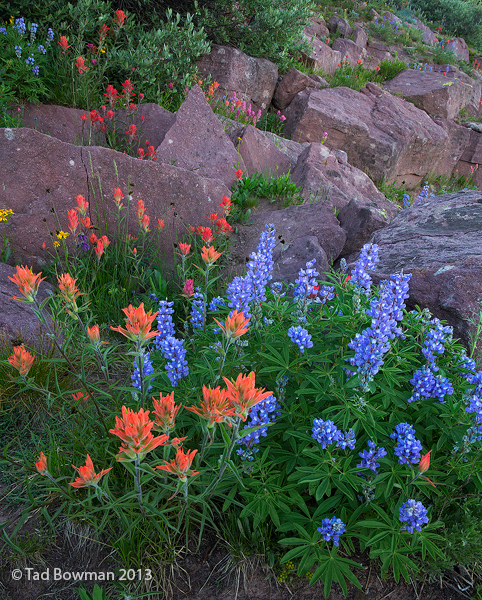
(437, 94)
(235, 71)
(293, 82)
(382, 134)
(471, 158)
(439, 242)
(198, 141)
(341, 26)
(260, 154)
(327, 178)
(321, 56)
(349, 50)
(43, 176)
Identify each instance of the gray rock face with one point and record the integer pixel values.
(439, 242)
(293, 82)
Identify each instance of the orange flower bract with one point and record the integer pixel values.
(21, 360)
(215, 408)
(134, 429)
(27, 282)
(234, 325)
(243, 395)
(165, 410)
(209, 255)
(41, 465)
(87, 475)
(181, 464)
(138, 324)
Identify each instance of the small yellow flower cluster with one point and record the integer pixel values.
(62, 235)
(5, 214)
(309, 575)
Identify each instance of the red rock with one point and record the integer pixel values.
(197, 141)
(347, 47)
(341, 26)
(382, 134)
(360, 37)
(43, 176)
(318, 29)
(261, 155)
(293, 82)
(378, 51)
(321, 56)
(235, 71)
(437, 94)
(328, 179)
(459, 139)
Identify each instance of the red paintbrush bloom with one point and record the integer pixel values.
(243, 395)
(181, 464)
(138, 324)
(87, 476)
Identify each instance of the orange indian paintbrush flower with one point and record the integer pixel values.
(87, 476)
(27, 282)
(209, 255)
(243, 395)
(134, 429)
(185, 249)
(235, 325)
(181, 464)
(73, 220)
(138, 324)
(424, 463)
(41, 465)
(165, 410)
(82, 205)
(68, 290)
(215, 408)
(21, 360)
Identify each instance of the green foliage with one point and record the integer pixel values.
(165, 54)
(259, 27)
(24, 58)
(390, 69)
(249, 190)
(354, 77)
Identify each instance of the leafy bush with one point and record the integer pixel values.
(259, 27)
(24, 55)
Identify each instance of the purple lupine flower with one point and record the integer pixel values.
(425, 193)
(371, 345)
(347, 440)
(165, 324)
(3, 30)
(42, 49)
(20, 26)
(262, 414)
(30, 60)
(198, 310)
(327, 292)
(406, 201)
(240, 292)
(370, 456)
(36, 70)
(174, 352)
(332, 529)
(468, 364)
(18, 51)
(415, 514)
(148, 370)
(367, 260)
(408, 448)
(325, 432)
(434, 341)
(83, 242)
(260, 264)
(427, 385)
(306, 286)
(50, 35)
(301, 337)
(216, 303)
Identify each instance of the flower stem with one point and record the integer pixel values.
(137, 481)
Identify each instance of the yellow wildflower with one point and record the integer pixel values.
(62, 235)
(5, 214)
(56, 244)
(12, 20)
